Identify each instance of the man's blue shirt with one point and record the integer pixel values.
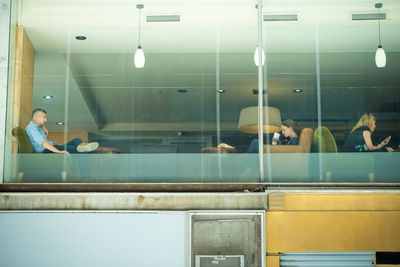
(37, 136)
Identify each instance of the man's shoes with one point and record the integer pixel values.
(88, 148)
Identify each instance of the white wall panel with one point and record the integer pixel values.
(38, 239)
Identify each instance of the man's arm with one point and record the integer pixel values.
(50, 147)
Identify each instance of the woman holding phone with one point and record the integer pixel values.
(360, 140)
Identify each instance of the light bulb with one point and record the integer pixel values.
(139, 58)
(256, 57)
(380, 57)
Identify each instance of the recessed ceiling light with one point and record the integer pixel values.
(80, 37)
(59, 123)
(48, 97)
(182, 91)
(221, 91)
(297, 90)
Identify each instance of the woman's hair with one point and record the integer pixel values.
(291, 124)
(365, 120)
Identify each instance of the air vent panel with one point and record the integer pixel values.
(163, 18)
(369, 16)
(283, 17)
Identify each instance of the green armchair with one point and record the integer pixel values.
(24, 144)
(323, 141)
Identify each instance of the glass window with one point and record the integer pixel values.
(189, 111)
(161, 122)
(321, 73)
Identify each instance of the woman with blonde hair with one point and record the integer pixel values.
(359, 139)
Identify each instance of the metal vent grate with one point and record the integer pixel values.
(368, 16)
(283, 17)
(233, 240)
(326, 259)
(163, 18)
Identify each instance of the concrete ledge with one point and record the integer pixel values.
(133, 201)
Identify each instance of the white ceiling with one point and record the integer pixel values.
(112, 26)
(182, 55)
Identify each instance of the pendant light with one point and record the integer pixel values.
(256, 57)
(380, 56)
(139, 54)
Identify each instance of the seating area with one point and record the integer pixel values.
(306, 140)
(113, 165)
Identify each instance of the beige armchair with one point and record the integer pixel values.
(304, 145)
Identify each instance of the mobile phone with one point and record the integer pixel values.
(387, 139)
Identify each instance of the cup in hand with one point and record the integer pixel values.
(275, 138)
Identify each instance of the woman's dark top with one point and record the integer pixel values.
(293, 141)
(355, 142)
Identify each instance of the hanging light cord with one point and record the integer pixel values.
(140, 11)
(379, 23)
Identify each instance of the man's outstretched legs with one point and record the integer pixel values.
(76, 146)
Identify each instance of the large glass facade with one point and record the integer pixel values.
(190, 113)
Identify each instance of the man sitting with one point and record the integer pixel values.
(37, 134)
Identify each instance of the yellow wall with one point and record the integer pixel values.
(317, 202)
(23, 83)
(272, 261)
(333, 222)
